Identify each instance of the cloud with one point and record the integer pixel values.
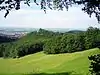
(36, 18)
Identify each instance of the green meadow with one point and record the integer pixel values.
(76, 63)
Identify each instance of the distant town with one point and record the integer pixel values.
(20, 32)
(13, 32)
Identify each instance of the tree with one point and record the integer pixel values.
(2, 48)
(90, 6)
(79, 42)
(95, 64)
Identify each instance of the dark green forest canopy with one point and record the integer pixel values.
(51, 42)
(90, 6)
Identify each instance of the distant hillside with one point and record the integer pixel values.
(12, 29)
(75, 31)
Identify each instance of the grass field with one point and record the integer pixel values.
(61, 64)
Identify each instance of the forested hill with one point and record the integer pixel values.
(75, 31)
(51, 42)
(5, 39)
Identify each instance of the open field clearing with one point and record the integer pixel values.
(73, 63)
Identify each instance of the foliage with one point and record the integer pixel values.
(51, 43)
(95, 64)
(31, 43)
(90, 6)
(72, 42)
(5, 39)
(29, 48)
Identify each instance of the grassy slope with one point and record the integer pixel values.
(39, 62)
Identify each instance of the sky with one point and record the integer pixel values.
(34, 17)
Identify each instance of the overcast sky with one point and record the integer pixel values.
(34, 17)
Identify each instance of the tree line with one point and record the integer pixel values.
(51, 43)
(72, 42)
(4, 39)
(31, 43)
